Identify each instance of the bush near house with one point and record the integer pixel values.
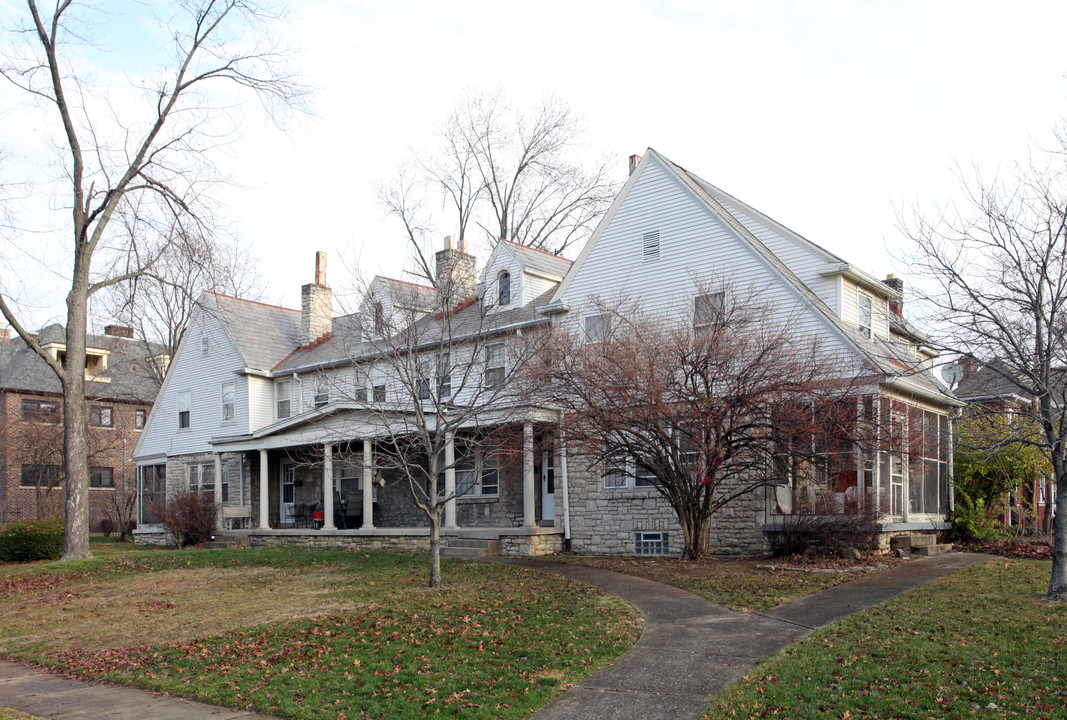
(188, 516)
(29, 540)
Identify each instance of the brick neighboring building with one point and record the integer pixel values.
(121, 389)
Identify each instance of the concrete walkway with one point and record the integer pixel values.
(690, 650)
(57, 698)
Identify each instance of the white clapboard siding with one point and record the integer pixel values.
(802, 257)
(698, 250)
(202, 377)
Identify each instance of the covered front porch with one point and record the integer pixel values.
(309, 485)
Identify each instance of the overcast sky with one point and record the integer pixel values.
(827, 116)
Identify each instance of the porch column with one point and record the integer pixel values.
(528, 500)
(368, 486)
(264, 495)
(450, 481)
(218, 491)
(327, 488)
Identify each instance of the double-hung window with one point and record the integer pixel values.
(282, 390)
(865, 314)
(43, 476)
(229, 392)
(477, 475)
(100, 416)
(101, 477)
(426, 371)
(494, 365)
(202, 478)
(614, 476)
(185, 402)
(139, 416)
(708, 311)
(597, 327)
(444, 375)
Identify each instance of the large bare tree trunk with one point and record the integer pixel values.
(75, 416)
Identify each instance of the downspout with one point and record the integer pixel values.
(951, 456)
(566, 491)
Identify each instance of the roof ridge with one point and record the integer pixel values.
(537, 250)
(405, 282)
(251, 302)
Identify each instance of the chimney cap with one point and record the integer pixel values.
(121, 331)
(320, 268)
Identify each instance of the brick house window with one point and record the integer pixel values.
(101, 477)
(100, 416)
(139, 416)
(44, 411)
(40, 476)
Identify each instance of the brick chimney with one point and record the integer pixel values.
(634, 161)
(896, 306)
(457, 273)
(316, 305)
(5, 335)
(118, 331)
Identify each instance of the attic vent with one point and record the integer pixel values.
(650, 245)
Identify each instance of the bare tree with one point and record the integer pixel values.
(158, 304)
(513, 173)
(444, 379)
(147, 171)
(997, 268)
(705, 410)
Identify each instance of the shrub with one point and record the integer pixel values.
(188, 516)
(29, 540)
(972, 520)
(829, 534)
(107, 526)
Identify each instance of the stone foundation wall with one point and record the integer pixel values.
(159, 539)
(530, 545)
(606, 521)
(408, 543)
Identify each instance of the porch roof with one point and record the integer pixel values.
(344, 421)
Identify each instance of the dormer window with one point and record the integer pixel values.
(864, 314)
(504, 288)
(379, 318)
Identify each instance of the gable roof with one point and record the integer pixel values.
(262, 334)
(539, 260)
(408, 293)
(890, 358)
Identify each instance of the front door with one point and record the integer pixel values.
(548, 486)
(287, 495)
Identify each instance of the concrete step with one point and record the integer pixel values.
(930, 550)
(469, 547)
(904, 542)
(216, 544)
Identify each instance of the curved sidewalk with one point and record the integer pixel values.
(692, 650)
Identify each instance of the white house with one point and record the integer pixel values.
(282, 413)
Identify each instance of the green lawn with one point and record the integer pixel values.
(982, 642)
(315, 633)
